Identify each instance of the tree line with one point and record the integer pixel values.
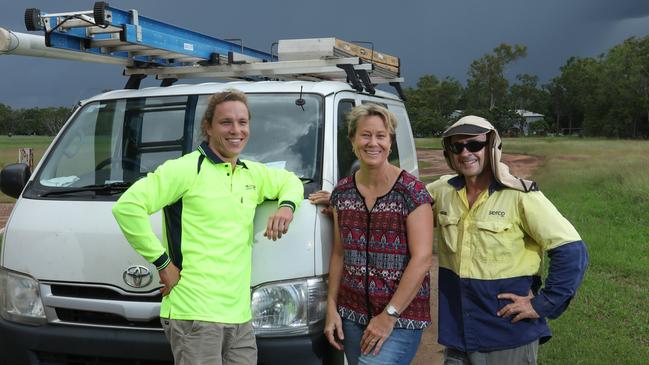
(40, 121)
(606, 96)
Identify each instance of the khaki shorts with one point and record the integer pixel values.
(209, 343)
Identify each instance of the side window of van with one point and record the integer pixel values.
(394, 153)
(407, 155)
(154, 131)
(346, 157)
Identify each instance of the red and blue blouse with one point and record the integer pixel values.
(376, 250)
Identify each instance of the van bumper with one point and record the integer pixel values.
(308, 350)
(51, 344)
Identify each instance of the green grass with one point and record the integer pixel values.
(435, 143)
(602, 187)
(9, 152)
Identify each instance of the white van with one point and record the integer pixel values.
(73, 291)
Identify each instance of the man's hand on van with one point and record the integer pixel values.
(278, 223)
(169, 277)
(322, 197)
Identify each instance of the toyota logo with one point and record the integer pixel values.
(137, 276)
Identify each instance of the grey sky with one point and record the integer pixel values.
(430, 37)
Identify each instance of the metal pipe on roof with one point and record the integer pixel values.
(23, 44)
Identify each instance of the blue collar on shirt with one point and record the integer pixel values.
(205, 149)
(458, 183)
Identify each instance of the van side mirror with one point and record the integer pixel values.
(13, 179)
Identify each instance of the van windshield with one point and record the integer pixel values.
(110, 144)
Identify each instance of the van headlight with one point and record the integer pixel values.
(289, 308)
(20, 299)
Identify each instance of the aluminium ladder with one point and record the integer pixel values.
(145, 46)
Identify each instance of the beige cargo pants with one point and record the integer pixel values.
(208, 343)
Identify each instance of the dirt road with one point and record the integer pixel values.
(5, 210)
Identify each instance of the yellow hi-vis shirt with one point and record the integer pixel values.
(208, 229)
(496, 246)
(503, 235)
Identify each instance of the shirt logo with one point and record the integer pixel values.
(442, 212)
(499, 213)
(249, 187)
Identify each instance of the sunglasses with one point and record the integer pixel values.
(471, 146)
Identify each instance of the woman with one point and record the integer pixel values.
(378, 300)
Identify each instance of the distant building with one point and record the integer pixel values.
(529, 119)
(455, 115)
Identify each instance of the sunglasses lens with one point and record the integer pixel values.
(456, 148)
(472, 146)
(475, 146)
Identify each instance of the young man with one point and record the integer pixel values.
(495, 229)
(209, 198)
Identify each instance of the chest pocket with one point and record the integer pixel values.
(495, 241)
(248, 200)
(450, 232)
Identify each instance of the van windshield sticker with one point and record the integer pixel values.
(276, 164)
(62, 181)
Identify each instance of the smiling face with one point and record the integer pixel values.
(228, 132)
(372, 141)
(471, 164)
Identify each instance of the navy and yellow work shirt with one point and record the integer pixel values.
(208, 229)
(497, 246)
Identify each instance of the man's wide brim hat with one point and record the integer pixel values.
(472, 125)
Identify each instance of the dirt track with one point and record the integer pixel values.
(520, 165)
(5, 210)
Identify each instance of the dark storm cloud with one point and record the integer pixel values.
(618, 10)
(438, 37)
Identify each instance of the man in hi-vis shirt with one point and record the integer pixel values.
(209, 199)
(495, 230)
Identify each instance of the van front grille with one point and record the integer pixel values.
(92, 292)
(101, 306)
(103, 319)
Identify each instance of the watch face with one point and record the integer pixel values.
(392, 311)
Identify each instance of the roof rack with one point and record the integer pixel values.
(145, 46)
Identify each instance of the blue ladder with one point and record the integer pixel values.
(139, 40)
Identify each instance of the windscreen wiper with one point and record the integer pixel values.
(99, 189)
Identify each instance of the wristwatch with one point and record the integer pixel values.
(392, 311)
